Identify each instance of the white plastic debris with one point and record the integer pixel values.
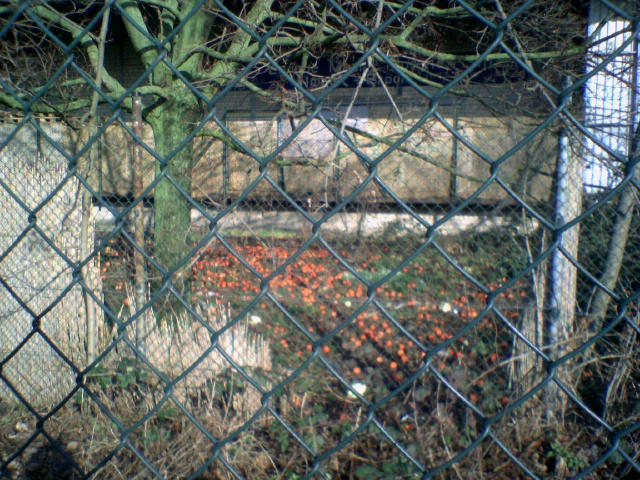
(358, 387)
(255, 319)
(21, 427)
(445, 307)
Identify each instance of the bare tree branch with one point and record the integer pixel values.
(138, 33)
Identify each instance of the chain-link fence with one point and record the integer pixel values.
(277, 239)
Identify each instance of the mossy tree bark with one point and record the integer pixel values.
(172, 124)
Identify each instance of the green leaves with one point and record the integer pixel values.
(129, 372)
(394, 467)
(281, 436)
(574, 460)
(367, 471)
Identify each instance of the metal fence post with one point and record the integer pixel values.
(138, 189)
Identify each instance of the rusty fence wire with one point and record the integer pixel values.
(319, 239)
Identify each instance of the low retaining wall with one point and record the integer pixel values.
(367, 224)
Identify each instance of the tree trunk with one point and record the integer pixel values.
(171, 124)
(563, 286)
(615, 253)
(625, 209)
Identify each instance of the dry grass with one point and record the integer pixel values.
(320, 411)
(174, 346)
(176, 447)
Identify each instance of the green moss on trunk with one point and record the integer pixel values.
(171, 126)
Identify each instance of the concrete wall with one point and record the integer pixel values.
(431, 166)
(40, 217)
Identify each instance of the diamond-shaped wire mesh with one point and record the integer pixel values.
(319, 239)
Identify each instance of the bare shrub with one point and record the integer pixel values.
(174, 345)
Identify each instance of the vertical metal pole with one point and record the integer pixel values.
(138, 188)
(454, 162)
(563, 277)
(92, 327)
(336, 177)
(39, 154)
(557, 259)
(99, 148)
(90, 308)
(278, 143)
(225, 165)
(560, 217)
